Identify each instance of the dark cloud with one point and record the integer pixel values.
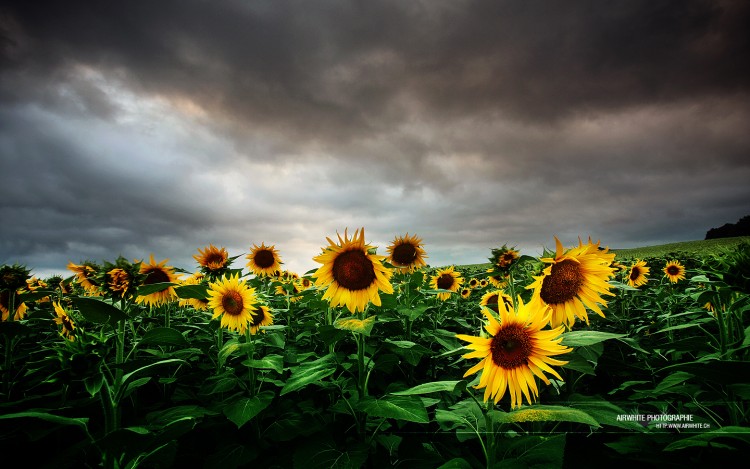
(131, 127)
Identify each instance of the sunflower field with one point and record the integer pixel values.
(373, 360)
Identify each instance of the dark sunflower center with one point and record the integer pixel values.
(492, 303)
(256, 317)
(563, 283)
(673, 270)
(511, 347)
(353, 270)
(214, 259)
(445, 282)
(67, 323)
(635, 273)
(264, 259)
(232, 303)
(404, 254)
(156, 276)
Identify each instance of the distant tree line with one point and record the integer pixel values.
(731, 230)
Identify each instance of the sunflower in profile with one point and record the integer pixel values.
(86, 276)
(353, 276)
(263, 261)
(497, 280)
(212, 259)
(492, 300)
(674, 271)
(638, 274)
(20, 307)
(516, 351)
(406, 253)
(234, 301)
(260, 317)
(446, 279)
(63, 319)
(575, 280)
(196, 303)
(158, 273)
(118, 282)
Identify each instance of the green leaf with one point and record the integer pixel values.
(410, 409)
(363, 326)
(164, 336)
(308, 373)
(545, 413)
(269, 362)
(584, 338)
(144, 290)
(716, 371)
(456, 463)
(98, 311)
(150, 368)
(78, 422)
(435, 386)
(412, 313)
(604, 412)
(708, 439)
(14, 329)
(197, 292)
(244, 409)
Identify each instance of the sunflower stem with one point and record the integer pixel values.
(490, 434)
(251, 357)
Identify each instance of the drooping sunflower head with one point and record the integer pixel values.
(18, 305)
(515, 351)
(63, 319)
(14, 277)
(264, 261)
(504, 258)
(158, 272)
(118, 281)
(406, 253)
(674, 271)
(575, 280)
(446, 279)
(86, 274)
(638, 273)
(492, 300)
(231, 298)
(498, 280)
(260, 317)
(352, 273)
(212, 259)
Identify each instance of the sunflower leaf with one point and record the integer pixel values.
(706, 440)
(308, 373)
(363, 326)
(98, 311)
(144, 290)
(584, 338)
(164, 336)
(545, 413)
(243, 410)
(407, 408)
(435, 386)
(196, 292)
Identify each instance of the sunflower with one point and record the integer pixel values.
(86, 276)
(263, 260)
(158, 273)
(473, 282)
(674, 271)
(212, 259)
(233, 300)
(260, 317)
(638, 274)
(498, 280)
(406, 253)
(575, 280)
(446, 279)
(303, 283)
(20, 307)
(198, 304)
(465, 292)
(492, 299)
(353, 275)
(64, 319)
(289, 292)
(516, 351)
(118, 281)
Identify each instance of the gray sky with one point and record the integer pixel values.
(131, 128)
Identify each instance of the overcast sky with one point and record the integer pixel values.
(139, 127)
